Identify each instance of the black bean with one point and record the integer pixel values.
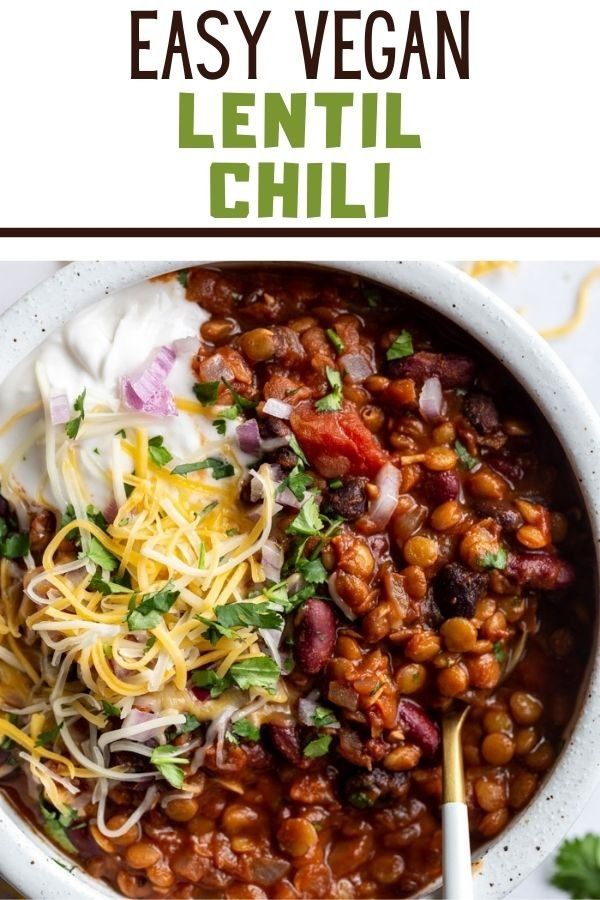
(271, 426)
(481, 412)
(457, 590)
(349, 501)
(376, 788)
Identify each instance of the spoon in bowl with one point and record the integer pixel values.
(456, 843)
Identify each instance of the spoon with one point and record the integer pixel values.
(456, 843)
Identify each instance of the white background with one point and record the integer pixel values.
(83, 145)
(545, 294)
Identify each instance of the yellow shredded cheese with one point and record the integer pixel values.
(579, 312)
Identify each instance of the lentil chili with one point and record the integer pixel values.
(438, 520)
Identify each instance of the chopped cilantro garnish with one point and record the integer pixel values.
(295, 446)
(490, 560)
(110, 710)
(234, 615)
(372, 295)
(464, 457)
(240, 402)
(499, 652)
(73, 425)
(148, 614)
(332, 401)
(97, 517)
(360, 800)
(157, 451)
(208, 678)
(98, 554)
(335, 340)
(206, 392)
(245, 730)
(48, 737)
(55, 825)
(14, 546)
(190, 724)
(182, 277)
(297, 481)
(312, 570)
(323, 717)
(308, 521)
(220, 468)
(258, 671)
(402, 346)
(168, 763)
(206, 511)
(578, 867)
(318, 747)
(220, 425)
(335, 484)
(120, 586)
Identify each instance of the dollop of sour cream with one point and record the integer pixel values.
(94, 351)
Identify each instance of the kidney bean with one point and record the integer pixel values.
(41, 531)
(457, 590)
(481, 412)
(540, 571)
(286, 740)
(418, 727)
(439, 487)
(315, 636)
(509, 467)
(452, 370)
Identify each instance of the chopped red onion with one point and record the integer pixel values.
(356, 366)
(248, 437)
(274, 443)
(185, 346)
(60, 411)
(288, 498)
(140, 717)
(272, 561)
(272, 640)
(341, 604)
(388, 481)
(146, 391)
(277, 408)
(431, 399)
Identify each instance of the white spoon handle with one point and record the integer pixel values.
(456, 852)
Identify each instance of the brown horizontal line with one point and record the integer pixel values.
(298, 232)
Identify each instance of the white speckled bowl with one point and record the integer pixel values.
(30, 863)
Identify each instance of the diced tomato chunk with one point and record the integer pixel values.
(337, 443)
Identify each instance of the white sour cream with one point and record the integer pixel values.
(106, 341)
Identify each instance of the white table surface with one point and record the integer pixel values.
(545, 293)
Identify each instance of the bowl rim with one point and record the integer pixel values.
(33, 865)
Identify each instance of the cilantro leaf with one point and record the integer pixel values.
(220, 468)
(361, 800)
(297, 481)
(323, 717)
(148, 614)
(157, 452)
(578, 867)
(14, 546)
(101, 556)
(168, 763)
(312, 570)
(295, 446)
(190, 724)
(490, 560)
(499, 651)
(55, 825)
(97, 517)
(336, 340)
(240, 402)
(245, 730)
(372, 295)
(73, 425)
(206, 511)
(332, 401)
(109, 710)
(402, 346)
(464, 457)
(208, 678)
(220, 425)
(232, 615)
(258, 671)
(182, 277)
(109, 587)
(318, 747)
(308, 521)
(206, 392)
(48, 737)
